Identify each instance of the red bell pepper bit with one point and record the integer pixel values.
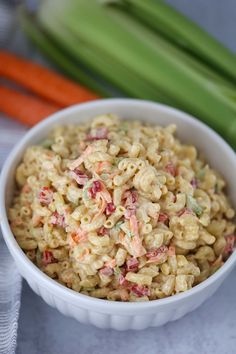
(130, 211)
(26, 189)
(97, 134)
(132, 264)
(122, 280)
(94, 189)
(134, 196)
(171, 169)
(45, 195)
(184, 211)
(107, 271)
(103, 231)
(194, 183)
(57, 219)
(130, 197)
(110, 208)
(163, 217)
(140, 290)
(47, 258)
(156, 251)
(230, 241)
(79, 176)
(171, 250)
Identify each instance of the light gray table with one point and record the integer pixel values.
(211, 329)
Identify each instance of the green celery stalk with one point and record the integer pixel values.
(35, 33)
(112, 70)
(113, 34)
(225, 90)
(164, 19)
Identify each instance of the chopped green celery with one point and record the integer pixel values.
(194, 206)
(201, 173)
(47, 143)
(117, 271)
(118, 225)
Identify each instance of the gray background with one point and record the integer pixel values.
(210, 329)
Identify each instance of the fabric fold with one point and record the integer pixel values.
(10, 279)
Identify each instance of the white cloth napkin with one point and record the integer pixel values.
(10, 279)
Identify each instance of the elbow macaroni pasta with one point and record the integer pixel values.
(121, 210)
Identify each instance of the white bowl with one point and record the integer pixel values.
(103, 313)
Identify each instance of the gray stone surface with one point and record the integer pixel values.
(210, 329)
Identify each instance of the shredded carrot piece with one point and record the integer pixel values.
(121, 236)
(101, 209)
(36, 219)
(136, 241)
(76, 163)
(105, 195)
(26, 189)
(102, 166)
(171, 250)
(111, 263)
(133, 225)
(138, 249)
(84, 254)
(17, 222)
(132, 243)
(79, 236)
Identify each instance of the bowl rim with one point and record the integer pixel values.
(61, 290)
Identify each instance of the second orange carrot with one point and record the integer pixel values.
(23, 107)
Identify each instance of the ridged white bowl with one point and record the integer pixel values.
(109, 314)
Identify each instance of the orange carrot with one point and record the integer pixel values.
(43, 81)
(24, 108)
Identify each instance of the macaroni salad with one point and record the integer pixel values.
(121, 210)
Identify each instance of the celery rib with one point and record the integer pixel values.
(164, 19)
(57, 56)
(137, 60)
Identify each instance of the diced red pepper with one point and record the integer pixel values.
(79, 236)
(130, 211)
(134, 196)
(97, 134)
(185, 211)
(132, 264)
(122, 280)
(103, 231)
(194, 183)
(171, 169)
(47, 258)
(79, 176)
(110, 208)
(171, 250)
(156, 251)
(140, 290)
(163, 217)
(95, 188)
(230, 241)
(107, 271)
(57, 219)
(26, 189)
(45, 195)
(131, 197)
